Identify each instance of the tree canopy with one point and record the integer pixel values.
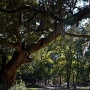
(29, 25)
(36, 22)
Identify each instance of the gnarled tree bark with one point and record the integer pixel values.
(8, 74)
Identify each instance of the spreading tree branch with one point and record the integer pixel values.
(7, 43)
(36, 10)
(84, 13)
(75, 35)
(44, 41)
(71, 20)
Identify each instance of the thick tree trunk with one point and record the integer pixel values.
(8, 74)
(8, 79)
(4, 58)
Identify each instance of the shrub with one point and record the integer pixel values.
(19, 86)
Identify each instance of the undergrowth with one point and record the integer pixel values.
(19, 86)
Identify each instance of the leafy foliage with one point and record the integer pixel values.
(29, 25)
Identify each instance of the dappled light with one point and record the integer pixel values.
(45, 44)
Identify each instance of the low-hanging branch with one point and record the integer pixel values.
(44, 41)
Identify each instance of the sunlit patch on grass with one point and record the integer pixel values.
(83, 88)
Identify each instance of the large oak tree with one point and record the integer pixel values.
(28, 25)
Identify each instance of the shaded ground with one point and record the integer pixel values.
(49, 87)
